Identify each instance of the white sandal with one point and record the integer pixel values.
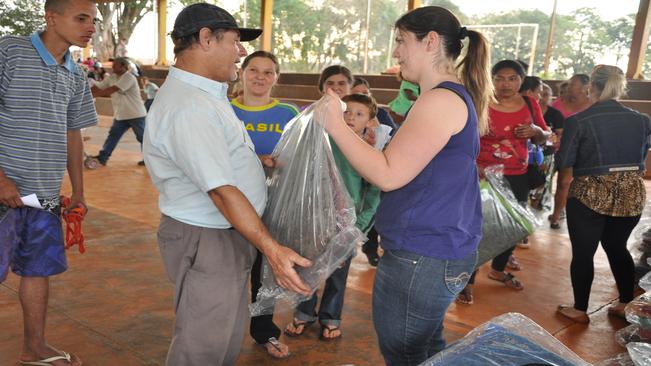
(48, 361)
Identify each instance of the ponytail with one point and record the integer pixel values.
(473, 70)
(474, 73)
(609, 82)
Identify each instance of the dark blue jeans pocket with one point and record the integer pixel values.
(458, 272)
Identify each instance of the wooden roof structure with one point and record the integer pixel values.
(637, 53)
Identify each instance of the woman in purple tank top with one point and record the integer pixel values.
(429, 218)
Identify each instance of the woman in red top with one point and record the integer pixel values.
(512, 123)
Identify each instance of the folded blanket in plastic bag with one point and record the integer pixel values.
(638, 311)
(633, 333)
(505, 221)
(510, 339)
(308, 209)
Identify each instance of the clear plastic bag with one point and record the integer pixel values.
(642, 231)
(495, 176)
(505, 221)
(308, 210)
(622, 359)
(638, 311)
(510, 339)
(640, 353)
(645, 282)
(633, 333)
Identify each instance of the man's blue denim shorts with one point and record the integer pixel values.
(31, 242)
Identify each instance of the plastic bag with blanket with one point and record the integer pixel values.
(308, 209)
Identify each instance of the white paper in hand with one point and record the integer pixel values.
(31, 201)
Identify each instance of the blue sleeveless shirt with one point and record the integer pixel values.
(438, 213)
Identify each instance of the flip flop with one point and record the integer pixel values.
(513, 263)
(553, 224)
(65, 356)
(297, 323)
(325, 328)
(508, 280)
(465, 297)
(275, 343)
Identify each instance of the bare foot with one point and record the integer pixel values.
(569, 311)
(617, 309)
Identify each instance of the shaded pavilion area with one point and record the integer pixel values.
(114, 305)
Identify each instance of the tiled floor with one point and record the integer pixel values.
(114, 305)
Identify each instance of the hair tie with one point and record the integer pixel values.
(463, 33)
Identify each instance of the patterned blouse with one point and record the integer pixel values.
(619, 194)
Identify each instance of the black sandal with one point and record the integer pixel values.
(297, 323)
(553, 224)
(325, 328)
(465, 297)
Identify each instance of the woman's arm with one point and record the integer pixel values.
(434, 118)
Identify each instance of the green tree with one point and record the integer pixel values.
(619, 34)
(504, 41)
(586, 42)
(309, 36)
(21, 17)
(109, 32)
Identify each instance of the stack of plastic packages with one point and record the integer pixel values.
(640, 245)
(637, 336)
(308, 209)
(510, 339)
(638, 313)
(505, 221)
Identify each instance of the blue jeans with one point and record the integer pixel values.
(410, 297)
(118, 129)
(332, 301)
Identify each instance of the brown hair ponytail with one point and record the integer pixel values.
(474, 73)
(473, 70)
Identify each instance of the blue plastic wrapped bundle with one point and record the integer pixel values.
(308, 210)
(510, 339)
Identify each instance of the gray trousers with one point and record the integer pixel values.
(209, 269)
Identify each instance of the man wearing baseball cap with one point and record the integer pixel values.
(212, 191)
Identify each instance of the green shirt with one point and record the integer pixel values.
(365, 195)
(402, 104)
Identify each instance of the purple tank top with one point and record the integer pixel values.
(438, 213)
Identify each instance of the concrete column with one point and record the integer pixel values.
(266, 12)
(161, 6)
(413, 4)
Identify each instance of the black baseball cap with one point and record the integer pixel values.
(196, 16)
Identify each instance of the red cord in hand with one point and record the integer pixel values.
(73, 218)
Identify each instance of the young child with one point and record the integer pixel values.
(359, 115)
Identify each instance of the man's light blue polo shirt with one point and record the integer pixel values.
(40, 100)
(194, 143)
